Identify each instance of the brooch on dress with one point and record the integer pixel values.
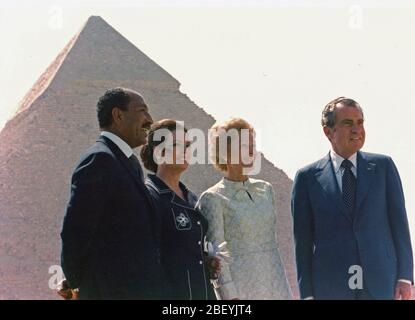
(182, 221)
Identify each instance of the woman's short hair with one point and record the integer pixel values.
(147, 151)
(218, 159)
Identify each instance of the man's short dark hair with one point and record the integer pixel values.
(328, 116)
(116, 97)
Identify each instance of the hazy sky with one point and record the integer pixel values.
(275, 63)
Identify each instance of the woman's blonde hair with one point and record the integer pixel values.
(218, 159)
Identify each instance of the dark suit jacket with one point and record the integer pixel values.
(110, 240)
(328, 240)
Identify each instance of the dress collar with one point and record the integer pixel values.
(162, 188)
(237, 184)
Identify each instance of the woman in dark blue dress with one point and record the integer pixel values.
(183, 228)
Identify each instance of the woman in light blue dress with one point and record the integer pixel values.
(241, 212)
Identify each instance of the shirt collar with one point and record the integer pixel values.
(337, 160)
(125, 148)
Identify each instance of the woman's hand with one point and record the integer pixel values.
(214, 267)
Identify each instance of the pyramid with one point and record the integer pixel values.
(56, 122)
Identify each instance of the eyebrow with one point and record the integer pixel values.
(143, 106)
(351, 121)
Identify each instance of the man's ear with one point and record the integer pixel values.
(327, 132)
(117, 115)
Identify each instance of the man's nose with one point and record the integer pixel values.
(355, 128)
(149, 118)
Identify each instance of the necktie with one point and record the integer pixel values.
(348, 186)
(136, 166)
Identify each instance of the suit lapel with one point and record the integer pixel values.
(127, 165)
(365, 173)
(327, 179)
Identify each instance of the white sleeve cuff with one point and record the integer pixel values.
(405, 281)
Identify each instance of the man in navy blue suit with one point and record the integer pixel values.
(351, 230)
(110, 234)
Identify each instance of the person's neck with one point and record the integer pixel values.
(112, 130)
(235, 175)
(119, 134)
(343, 155)
(170, 178)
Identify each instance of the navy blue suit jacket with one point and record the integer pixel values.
(329, 240)
(110, 238)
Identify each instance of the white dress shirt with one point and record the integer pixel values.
(125, 148)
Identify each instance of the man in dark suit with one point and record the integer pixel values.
(110, 234)
(351, 231)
